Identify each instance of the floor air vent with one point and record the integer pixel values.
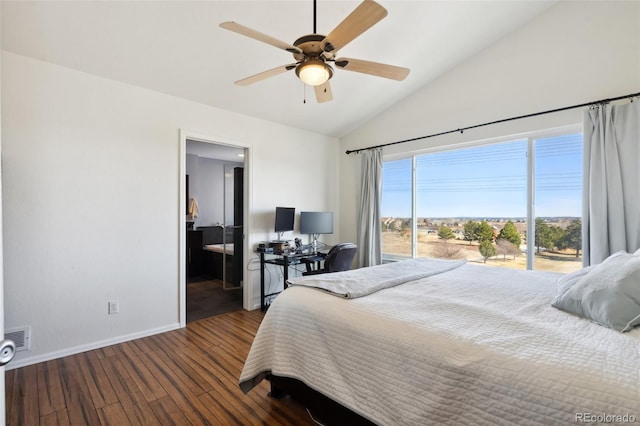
(21, 336)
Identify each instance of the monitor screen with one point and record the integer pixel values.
(284, 219)
(316, 222)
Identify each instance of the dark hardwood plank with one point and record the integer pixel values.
(24, 401)
(134, 404)
(140, 374)
(140, 346)
(57, 418)
(182, 394)
(230, 411)
(168, 412)
(186, 376)
(9, 379)
(113, 415)
(206, 298)
(76, 391)
(100, 389)
(50, 393)
(166, 349)
(103, 352)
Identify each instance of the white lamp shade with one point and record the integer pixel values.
(314, 72)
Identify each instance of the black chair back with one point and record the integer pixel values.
(340, 257)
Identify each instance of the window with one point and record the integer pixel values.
(558, 203)
(397, 220)
(481, 202)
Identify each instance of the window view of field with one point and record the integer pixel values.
(471, 203)
(492, 241)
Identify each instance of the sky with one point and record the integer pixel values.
(488, 181)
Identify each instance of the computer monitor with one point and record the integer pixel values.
(316, 223)
(284, 220)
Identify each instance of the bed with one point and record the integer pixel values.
(464, 344)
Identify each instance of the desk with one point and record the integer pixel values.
(285, 260)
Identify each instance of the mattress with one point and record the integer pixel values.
(474, 345)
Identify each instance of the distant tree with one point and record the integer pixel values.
(446, 251)
(557, 237)
(543, 234)
(470, 229)
(502, 248)
(573, 235)
(403, 229)
(445, 233)
(484, 232)
(487, 249)
(510, 233)
(505, 247)
(561, 240)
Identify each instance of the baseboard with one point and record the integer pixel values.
(91, 346)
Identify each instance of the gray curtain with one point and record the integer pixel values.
(369, 227)
(611, 201)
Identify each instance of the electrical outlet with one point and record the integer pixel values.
(114, 307)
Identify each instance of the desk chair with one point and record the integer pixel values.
(339, 258)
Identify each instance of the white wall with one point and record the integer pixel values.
(210, 191)
(206, 184)
(576, 52)
(91, 200)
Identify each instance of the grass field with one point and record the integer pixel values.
(429, 245)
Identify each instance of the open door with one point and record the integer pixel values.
(2, 404)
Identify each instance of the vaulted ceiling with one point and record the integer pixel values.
(178, 48)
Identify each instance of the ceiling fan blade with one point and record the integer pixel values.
(373, 68)
(323, 92)
(367, 14)
(256, 35)
(265, 74)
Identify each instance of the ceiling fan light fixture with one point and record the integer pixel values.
(314, 72)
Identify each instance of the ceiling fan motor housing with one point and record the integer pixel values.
(312, 46)
(312, 68)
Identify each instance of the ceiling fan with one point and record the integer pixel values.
(314, 52)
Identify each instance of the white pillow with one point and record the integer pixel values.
(608, 293)
(567, 281)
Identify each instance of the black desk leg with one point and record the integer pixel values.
(262, 282)
(285, 273)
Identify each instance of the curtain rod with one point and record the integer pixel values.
(461, 130)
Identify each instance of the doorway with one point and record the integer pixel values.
(214, 211)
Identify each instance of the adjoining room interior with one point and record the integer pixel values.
(214, 221)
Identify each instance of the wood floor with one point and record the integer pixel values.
(206, 298)
(183, 377)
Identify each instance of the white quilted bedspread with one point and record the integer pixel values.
(472, 346)
(362, 282)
